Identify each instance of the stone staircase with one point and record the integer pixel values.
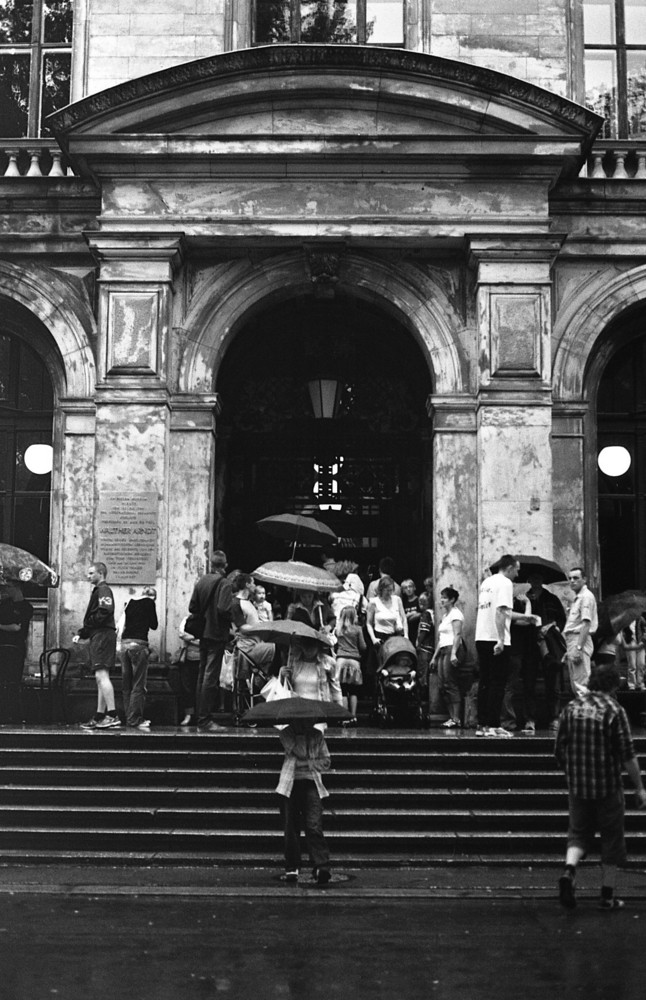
(398, 797)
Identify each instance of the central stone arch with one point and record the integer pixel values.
(419, 302)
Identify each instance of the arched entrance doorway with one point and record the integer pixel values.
(621, 425)
(26, 425)
(364, 468)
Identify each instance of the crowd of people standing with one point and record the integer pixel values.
(518, 637)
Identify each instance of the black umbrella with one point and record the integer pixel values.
(549, 570)
(17, 564)
(618, 611)
(297, 529)
(286, 710)
(283, 631)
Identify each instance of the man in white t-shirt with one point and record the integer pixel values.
(493, 642)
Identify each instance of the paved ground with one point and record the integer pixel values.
(191, 934)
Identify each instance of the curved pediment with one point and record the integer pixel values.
(301, 90)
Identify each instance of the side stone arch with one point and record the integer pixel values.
(418, 302)
(61, 305)
(580, 326)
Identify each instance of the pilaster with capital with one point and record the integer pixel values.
(514, 403)
(133, 426)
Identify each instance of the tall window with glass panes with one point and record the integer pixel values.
(35, 64)
(615, 65)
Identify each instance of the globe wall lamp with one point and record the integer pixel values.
(614, 461)
(39, 459)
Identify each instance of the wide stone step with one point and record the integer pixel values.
(148, 797)
(266, 842)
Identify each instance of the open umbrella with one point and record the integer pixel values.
(16, 564)
(283, 631)
(286, 710)
(618, 611)
(297, 576)
(549, 570)
(297, 529)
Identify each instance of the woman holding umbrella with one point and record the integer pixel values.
(308, 608)
(311, 669)
(311, 672)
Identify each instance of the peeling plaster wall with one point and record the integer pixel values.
(515, 469)
(77, 506)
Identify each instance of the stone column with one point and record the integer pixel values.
(74, 533)
(455, 492)
(514, 416)
(132, 400)
(191, 475)
(572, 537)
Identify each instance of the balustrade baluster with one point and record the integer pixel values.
(598, 173)
(620, 173)
(57, 169)
(34, 166)
(12, 165)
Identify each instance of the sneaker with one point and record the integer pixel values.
(93, 722)
(291, 876)
(450, 724)
(499, 733)
(109, 722)
(144, 724)
(566, 892)
(529, 729)
(188, 720)
(614, 903)
(481, 731)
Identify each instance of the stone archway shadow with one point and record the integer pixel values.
(46, 295)
(581, 326)
(418, 302)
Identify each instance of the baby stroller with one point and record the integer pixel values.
(398, 692)
(249, 678)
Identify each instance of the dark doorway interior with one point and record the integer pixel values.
(621, 422)
(366, 471)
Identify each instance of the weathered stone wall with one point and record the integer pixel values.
(125, 40)
(527, 39)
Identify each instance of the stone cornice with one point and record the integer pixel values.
(572, 117)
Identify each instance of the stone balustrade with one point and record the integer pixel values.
(616, 160)
(33, 158)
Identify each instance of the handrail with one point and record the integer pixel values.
(33, 158)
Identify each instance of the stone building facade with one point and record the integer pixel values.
(430, 224)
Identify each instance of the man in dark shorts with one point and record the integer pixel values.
(100, 629)
(593, 743)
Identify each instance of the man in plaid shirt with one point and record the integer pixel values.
(593, 743)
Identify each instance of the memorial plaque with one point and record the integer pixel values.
(127, 536)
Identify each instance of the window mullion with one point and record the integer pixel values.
(361, 22)
(295, 15)
(622, 70)
(35, 70)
